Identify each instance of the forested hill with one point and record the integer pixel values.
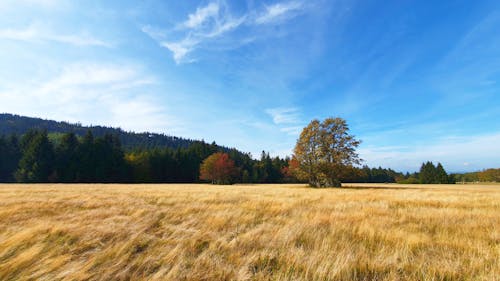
(15, 124)
(37, 150)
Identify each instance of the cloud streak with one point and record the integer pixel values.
(214, 21)
(456, 153)
(287, 118)
(278, 12)
(13, 4)
(205, 24)
(284, 115)
(202, 15)
(94, 93)
(34, 33)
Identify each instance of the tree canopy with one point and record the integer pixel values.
(430, 174)
(36, 164)
(218, 168)
(324, 152)
(38, 156)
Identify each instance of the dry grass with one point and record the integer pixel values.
(260, 232)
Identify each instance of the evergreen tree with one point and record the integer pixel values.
(10, 155)
(430, 174)
(441, 175)
(67, 158)
(427, 173)
(109, 160)
(86, 154)
(37, 161)
(245, 177)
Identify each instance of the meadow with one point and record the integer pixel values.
(249, 232)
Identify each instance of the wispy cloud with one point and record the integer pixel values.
(292, 131)
(34, 33)
(456, 153)
(202, 15)
(288, 119)
(7, 4)
(92, 93)
(470, 69)
(278, 12)
(214, 21)
(284, 115)
(153, 32)
(181, 49)
(205, 24)
(93, 74)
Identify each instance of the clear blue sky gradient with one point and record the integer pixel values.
(416, 80)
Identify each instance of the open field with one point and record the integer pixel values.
(249, 232)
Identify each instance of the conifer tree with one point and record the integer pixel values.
(37, 162)
(441, 175)
(10, 154)
(86, 154)
(67, 158)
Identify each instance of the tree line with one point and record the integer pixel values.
(68, 158)
(487, 175)
(36, 157)
(20, 125)
(428, 174)
(325, 155)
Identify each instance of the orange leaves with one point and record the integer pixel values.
(218, 168)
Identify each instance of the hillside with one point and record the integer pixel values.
(15, 124)
(55, 156)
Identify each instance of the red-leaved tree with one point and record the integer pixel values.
(218, 168)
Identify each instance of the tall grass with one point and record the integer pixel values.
(260, 232)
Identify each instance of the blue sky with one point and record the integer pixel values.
(415, 80)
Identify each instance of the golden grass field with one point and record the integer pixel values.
(249, 232)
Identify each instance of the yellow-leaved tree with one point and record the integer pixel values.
(324, 152)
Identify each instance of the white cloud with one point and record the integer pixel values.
(214, 21)
(11, 4)
(201, 15)
(153, 32)
(287, 119)
(456, 154)
(277, 12)
(292, 131)
(140, 113)
(79, 40)
(34, 33)
(224, 26)
(92, 93)
(93, 74)
(207, 23)
(180, 49)
(284, 115)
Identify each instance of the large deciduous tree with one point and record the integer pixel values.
(218, 168)
(324, 151)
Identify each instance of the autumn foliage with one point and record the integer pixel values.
(325, 153)
(218, 168)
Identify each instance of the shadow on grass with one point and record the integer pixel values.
(379, 187)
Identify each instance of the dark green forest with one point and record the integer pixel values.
(19, 125)
(34, 157)
(36, 150)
